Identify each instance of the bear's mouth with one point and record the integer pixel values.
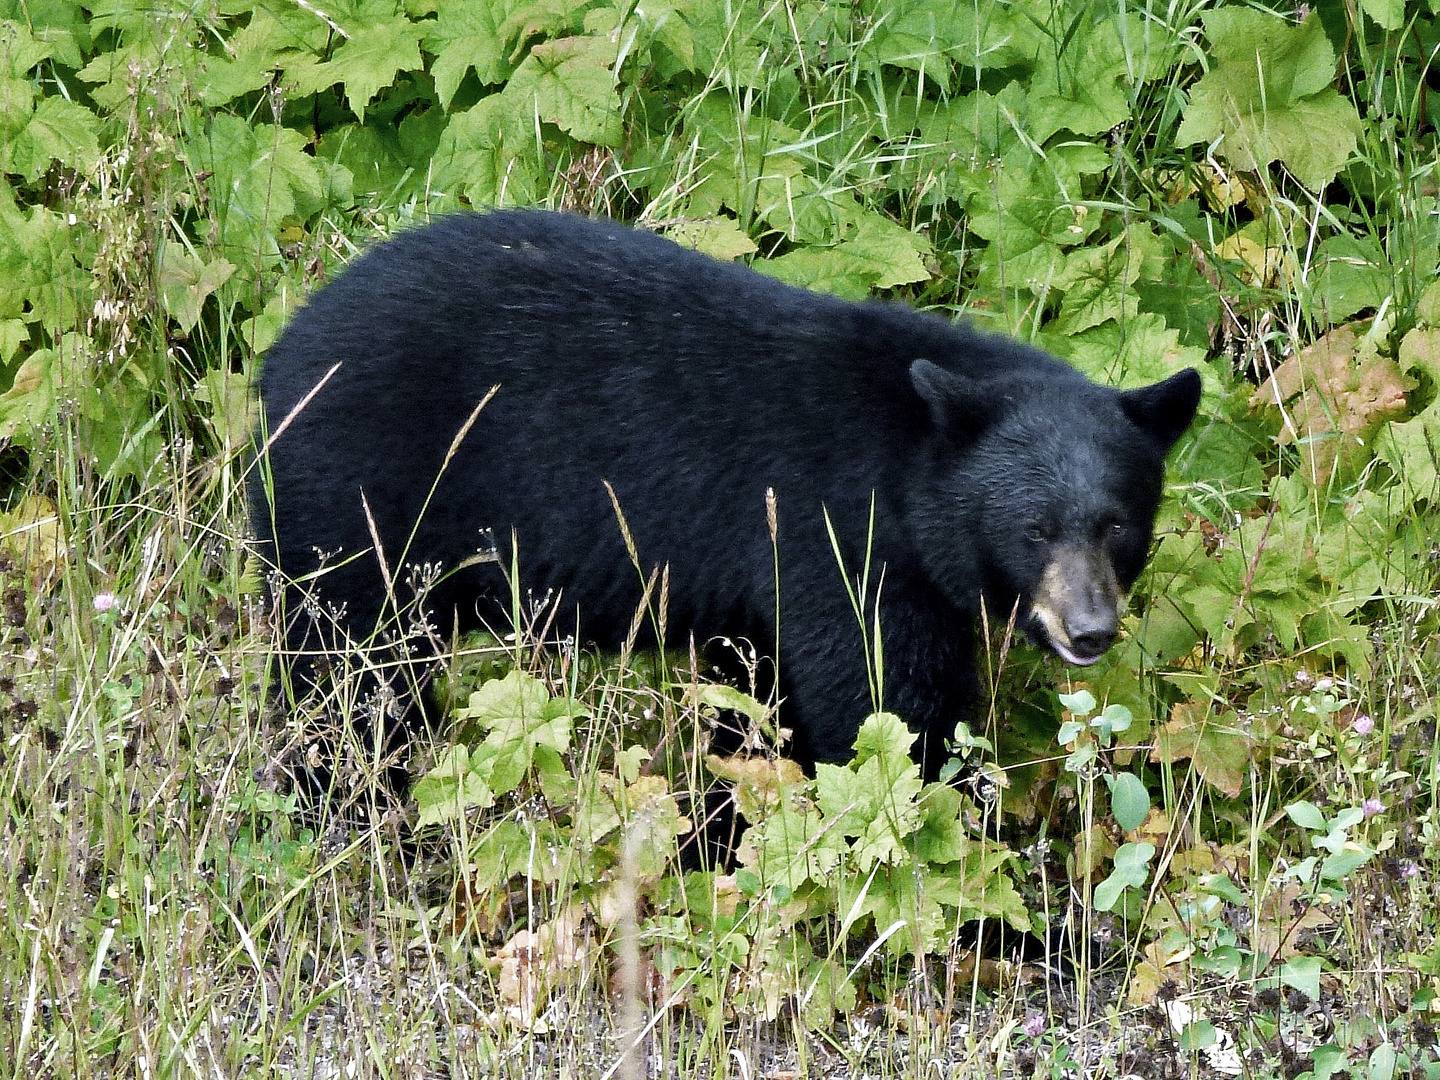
(1070, 656)
(1047, 628)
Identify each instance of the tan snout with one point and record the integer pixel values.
(1078, 603)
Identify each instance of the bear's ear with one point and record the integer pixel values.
(957, 404)
(1165, 409)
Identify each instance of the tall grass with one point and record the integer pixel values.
(168, 908)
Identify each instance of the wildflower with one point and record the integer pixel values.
(104, 601)
(1363, 725)
(1372, 807)
(1034, 1025)
(1409, 869)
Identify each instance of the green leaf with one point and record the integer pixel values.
(1084, 86)
(926, 35)
(1132, 869)
(448, 790)
(1218, 747)
(1412, 450)
(886, 736)
(465, 35)
(1129, 801)
(1081, 702)
(30, 399)
(367, 62)
(58, 130)
(1098, 282)
(260, 175)
(880, 254)
(1269, 97)
(941, 837)
(487, 155)
(185, 281)
(224, 78)
(721, 238)
(790, 848)
(1307, 815)
(1388, 14)
(1303, 974)
(1352, 275)
(569, 84)
(519, 716)
(20, 50)
(723, 696)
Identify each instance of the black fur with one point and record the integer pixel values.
(692, 385)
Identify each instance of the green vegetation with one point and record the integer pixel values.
(1236, 809)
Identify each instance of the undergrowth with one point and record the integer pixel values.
(1217, 845)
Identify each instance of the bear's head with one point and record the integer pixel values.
(1042, 487)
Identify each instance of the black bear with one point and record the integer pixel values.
(691, 386)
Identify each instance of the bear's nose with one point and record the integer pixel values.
(1091, 638)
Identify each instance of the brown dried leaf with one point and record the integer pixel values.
(1155, 829)
(760, 782)
(1093, 847)
(1219, 748)
(531, 963)
(1155, 971)
(1333, 395)
(1283, 918)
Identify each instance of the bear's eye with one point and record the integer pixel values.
(1116, 530)
(1037, 534)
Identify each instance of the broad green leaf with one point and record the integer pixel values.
(264, 329)
(20, 49)
(30, 399)
(1085, 86)
(368, 61)
(1353, 550)
(185, 281)
(1269, 97)
(119, 74)
(59, 130)
(941, 837)
(1219, 748)
(1351, 275)
(1420, 351)
(1412, 450)
(1141, 351)
(17, 104)
(1307, 815)
(927, 35)
(1097, 284)
(880, 255)
(721, 238)
(487, 155)
(234, 410)
(225, 78)
(722, 696)
(260, 175)
(902, 895)
(885, 736)
(13, 333)
(1302, 973)
(451, 788)
(1129, 801)
(790, 848)
(1132, 869)
(44, 266)
(465, 35)
(569, 83)
(1388, 14)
